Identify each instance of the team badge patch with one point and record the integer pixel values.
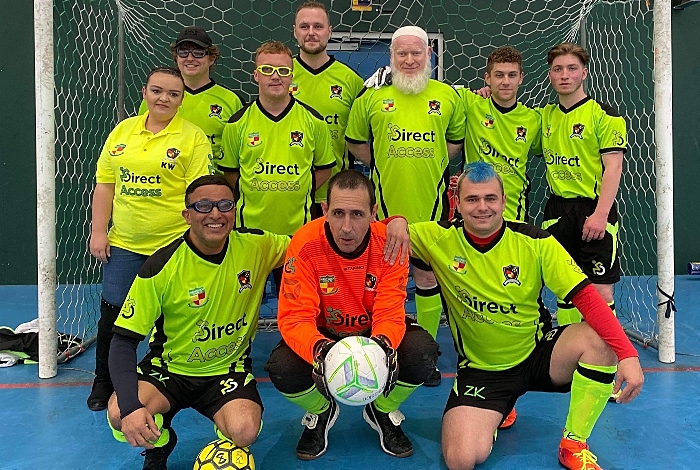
(244, 280)
(172, 154)
(297, 138)
(488, 121)
(370, 281)
(254, 139)
(548, 132)
(215, 110)
(577, 131)
(117, 150)
(511, 273)
(327, 285)
(388, 106)
(459, 264)
(198, 297)
(521, 134)
(294, 89)
(289, 266)
(618, 139)
(336, 91)
(434, 107)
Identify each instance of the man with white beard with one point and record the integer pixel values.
(416, 125)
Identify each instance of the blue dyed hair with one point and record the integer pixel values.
(479, 172)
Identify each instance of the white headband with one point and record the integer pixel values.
(411, 31)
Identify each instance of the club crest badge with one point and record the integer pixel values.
(215, 110)
(521, 134)
(254, 139)
(388, 106)
(327, 285)
(297, 138)
(117, 150)
(294, 89)
(172, 153)
(336, 91)
(511, 273)
(577, 131)
(244, 280)
(459, 264)
(370, 281)
(198, 297)
(488, 121)
(434, 107)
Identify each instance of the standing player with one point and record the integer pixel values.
(337, 284)
(324, 83)
(417, 125)
(200, 295)
(583, 142)
(492, 273)
(206, 103)
(277, 149)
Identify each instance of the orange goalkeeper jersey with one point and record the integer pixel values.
(346, 295)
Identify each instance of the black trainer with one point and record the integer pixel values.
(157, 458)
(99, 395)
(388, 425)
(314, 440)
(434, 379)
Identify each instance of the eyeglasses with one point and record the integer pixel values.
(196, 53)
(269, 70)
(205, 207)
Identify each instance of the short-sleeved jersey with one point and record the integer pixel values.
(330, 90)
(275, 157)
(409, 135)
(493, 293)
(345, 294)
(204, 307)
(209, 108)
(503, 137)
(150, 173)
(573, 141)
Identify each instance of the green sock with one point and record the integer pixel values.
(590, 389)
(310, 400)
(158, 418)
(397, 396)
(429, 309)
(567, 313)
(612, 307)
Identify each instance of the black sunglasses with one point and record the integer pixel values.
(196, 53)
(205, 207)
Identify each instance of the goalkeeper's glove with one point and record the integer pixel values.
(379, 78)
(321, 349)
(392, 363)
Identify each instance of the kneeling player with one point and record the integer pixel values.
(336, 284)
(202, 292)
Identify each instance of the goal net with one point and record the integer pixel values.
(104, 49)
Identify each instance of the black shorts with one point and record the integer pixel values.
(564, 219)
(207, 395)
(498, 390)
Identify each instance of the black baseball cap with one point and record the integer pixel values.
(196, 35)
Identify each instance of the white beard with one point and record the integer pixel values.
(410, 84)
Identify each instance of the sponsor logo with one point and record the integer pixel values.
(327, 285)
(117, 150)
(228, 385)
(205, 332)
(459, 264)
(370, 281)
(434, 107)
(488, 121)
(294, 89)
(336, 318)
(511, 273)
(289, 266)
(521, 134)
(297, 138)
(254, 139)
(267, 168)
(577, 131)
(215, 110)
(388, 106)
(336, 91)
(220, 352)
(198, 297)
(128, 309)
(244, 280)
(479, 305)
(550, 334)
(618, 139)
(473, 391)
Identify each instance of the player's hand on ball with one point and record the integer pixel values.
(379, 78)
(99, 246)
(392, 363)
(321, 349)
(139, 429)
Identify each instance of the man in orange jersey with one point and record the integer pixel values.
(337, 284)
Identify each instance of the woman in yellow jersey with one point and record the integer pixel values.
(142, 173)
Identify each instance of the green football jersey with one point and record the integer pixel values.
(275, 157)
(493, 293)
(204, 308)
(503, 137)
(209, 107)
(409, 135)
(573, 141)
(330, 90)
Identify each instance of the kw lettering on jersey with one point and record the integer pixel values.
(291, 288)
(459, 264)
(336, 318)
(198, 297)
(488, 121)
(370, 281)
(215, 110)
(206, 333)
(336, 91)
(244, 280)
(294, 88)
(228, 385)
(434, 107)
(289, 267)
(618, 139)
(511, 273)
(577, 131)
(254, 139)
(267, 168)
(388, 106)
(488, 150)
(473, 391)
(117, 150)
(297, 138)
(158, 376)
(327, 284)
(475, 303)
(225, 350)
(128, 309)
(548, 132)
(521, 134)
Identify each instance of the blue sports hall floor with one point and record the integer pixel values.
(45, 424)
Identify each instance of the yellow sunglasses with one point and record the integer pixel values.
(269, 70)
